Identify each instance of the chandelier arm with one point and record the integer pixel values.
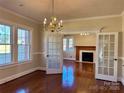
(52, 7)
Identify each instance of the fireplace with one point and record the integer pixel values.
(86, 56)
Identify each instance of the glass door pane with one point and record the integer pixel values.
(111, 55)
(100, 53)
(106, 54)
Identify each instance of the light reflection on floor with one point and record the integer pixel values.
(23, 91)
(68, 76)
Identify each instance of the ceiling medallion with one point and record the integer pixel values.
(54, 24)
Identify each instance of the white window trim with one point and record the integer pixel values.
(14, 27)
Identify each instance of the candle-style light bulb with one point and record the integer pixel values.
(61, 21)
(54, 18)
(51, 24)
(45, 21)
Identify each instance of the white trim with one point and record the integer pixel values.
(92, 18)
(80, 31)
(9, 78)
(104, 77)
(122, 58)
(69, 58)
(119, 79)
(43, 68)
(37, 53)
(122, 81)
(15, 24)
(53, 71)
(19, 15)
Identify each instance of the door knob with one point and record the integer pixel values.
(115, 59)
(47, 55)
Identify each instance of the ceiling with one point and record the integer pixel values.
(64, 9)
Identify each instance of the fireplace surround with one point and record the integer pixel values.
(87, 56)
(84, 48)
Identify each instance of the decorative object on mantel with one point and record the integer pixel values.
(55, 24)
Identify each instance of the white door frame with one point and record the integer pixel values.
(103, 77)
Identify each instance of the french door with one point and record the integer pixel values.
(107, 56)
(54, 53)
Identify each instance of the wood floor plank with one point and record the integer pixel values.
(76, 78)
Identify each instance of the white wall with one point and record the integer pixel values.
(89, 40)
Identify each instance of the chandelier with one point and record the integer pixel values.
(54, 24)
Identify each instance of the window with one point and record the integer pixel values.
(5, 44)
(14, 45)
(23, 45)
(64, 44)
(68, 44)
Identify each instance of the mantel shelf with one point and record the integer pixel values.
(86, 62)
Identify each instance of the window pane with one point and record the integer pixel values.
(5, 44)
(5, 34)
(21, 52)
(2, 59)
(23, 45)
(5, 54)
(64, 44)
(71, 46)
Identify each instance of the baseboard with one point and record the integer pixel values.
(43, 68)
(7, 79)
(69, 58)
(119, 79)
(122, 81)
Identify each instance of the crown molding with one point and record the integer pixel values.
(20, 15)
(92, 18)
(79, 31)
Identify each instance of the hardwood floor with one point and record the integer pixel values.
(75, 79)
